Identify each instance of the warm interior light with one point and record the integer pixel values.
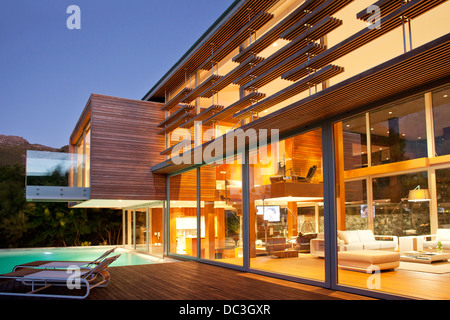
(275, 44)
(417, 195)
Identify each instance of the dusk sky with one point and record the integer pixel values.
(122, 49)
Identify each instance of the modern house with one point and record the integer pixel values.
(305, 140)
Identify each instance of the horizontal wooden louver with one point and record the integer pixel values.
(194, 94)
(175, 100)
(293, 61)
(274, 33)
(385, 6)
(294, 89)
(177, 123)
(412, 9)
(323, 27)
(227, 112)
(253, 25)
(176, 115)
(429, 63)
(202, 115)
(230, 76)
(223, 34)
(328, 8)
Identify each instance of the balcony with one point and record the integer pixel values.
(57, 177)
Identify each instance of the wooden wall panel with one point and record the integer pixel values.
(306, 152)
(124, 146)
(184, 186)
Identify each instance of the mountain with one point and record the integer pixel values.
(13, 149)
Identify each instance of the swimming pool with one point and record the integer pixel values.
(9, 258)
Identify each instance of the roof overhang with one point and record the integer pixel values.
(116, 204)
(406, 73)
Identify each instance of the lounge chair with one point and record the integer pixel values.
(40, 279)
(64, 264)
(308, 177)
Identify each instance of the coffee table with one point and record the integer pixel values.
(424, 257)
(286, 253)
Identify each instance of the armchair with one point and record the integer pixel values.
(430, 241)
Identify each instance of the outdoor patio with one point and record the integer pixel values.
(198, 281)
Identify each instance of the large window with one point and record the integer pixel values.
(286, 207)
(183, 214)
(222, 212)
(82, 174)
(398, 132)
(441, 114)
(443, 197)
(392, 174)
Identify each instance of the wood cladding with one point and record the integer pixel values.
(124, 146)
(429, 63)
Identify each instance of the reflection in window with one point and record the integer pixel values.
(357, 212)
(398, 132)
(395, 212)
(443, 197)
(441, 116)
(355, 143)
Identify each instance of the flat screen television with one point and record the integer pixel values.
(270, 213)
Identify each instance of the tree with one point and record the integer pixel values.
(43, 224)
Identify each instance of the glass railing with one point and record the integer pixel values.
(56, 176)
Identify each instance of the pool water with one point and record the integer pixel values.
(9, 258)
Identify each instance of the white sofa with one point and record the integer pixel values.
(356, 240)
(365, 240)
(430, 242)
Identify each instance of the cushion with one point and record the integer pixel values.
(387, 244)
(352, 236)
(443, 234)
(343, 236)
(366, 235)
(369, 256)
(354, 246)
(371, 245)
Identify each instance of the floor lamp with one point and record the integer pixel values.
(415, 195)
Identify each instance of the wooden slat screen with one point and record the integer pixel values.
(420, 66)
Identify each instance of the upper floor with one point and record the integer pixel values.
(262, 57)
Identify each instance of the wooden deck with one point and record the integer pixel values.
(189, 280)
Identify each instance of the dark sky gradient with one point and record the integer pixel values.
(122, 49)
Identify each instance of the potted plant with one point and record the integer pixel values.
(439, 247)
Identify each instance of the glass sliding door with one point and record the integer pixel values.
(183, 214)
(221, 214)
(392, 210)
(286, 207)
(143, 229)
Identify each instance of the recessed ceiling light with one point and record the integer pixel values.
(390, 112)
(275, 44)
(445, 96)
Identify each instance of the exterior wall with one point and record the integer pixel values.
(124, 146)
